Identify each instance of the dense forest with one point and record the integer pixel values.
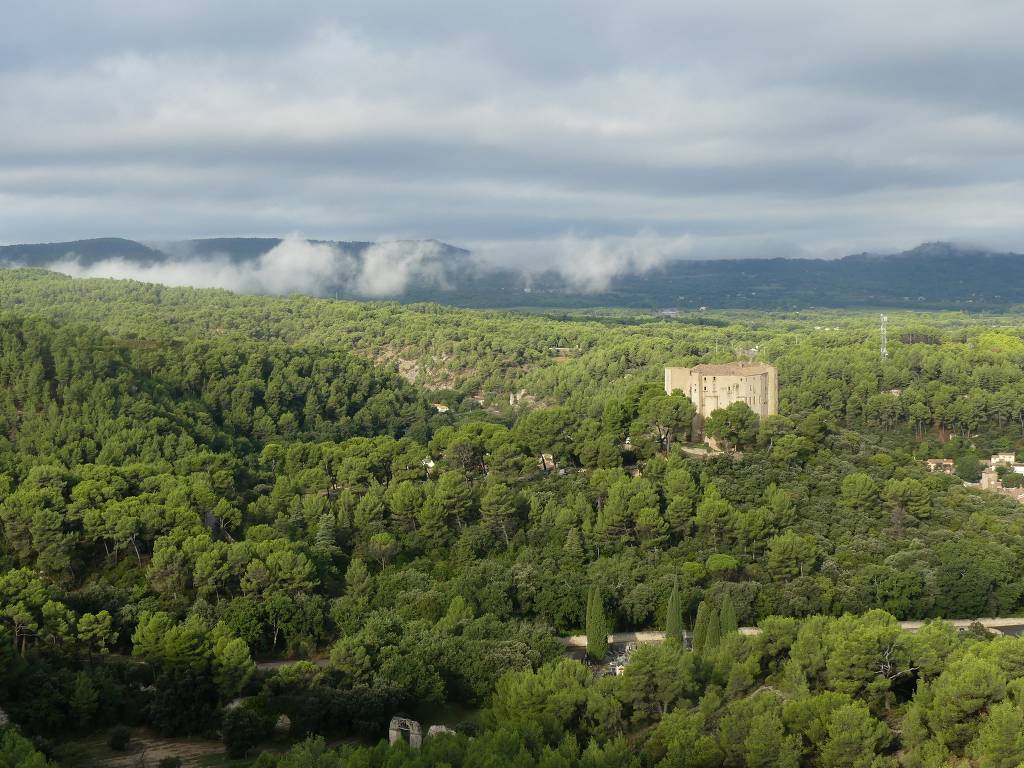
(412, 504)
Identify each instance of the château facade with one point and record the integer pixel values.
(712, 386)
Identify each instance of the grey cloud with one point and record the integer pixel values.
(731, 126)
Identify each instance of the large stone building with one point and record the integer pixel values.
(714, 386)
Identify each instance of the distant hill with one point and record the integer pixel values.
(241, 249)
(932, 276)
(87, 252)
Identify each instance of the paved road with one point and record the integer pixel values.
(272, 664)
(1001, 626)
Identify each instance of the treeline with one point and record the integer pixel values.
(824, 691)
(947, 373)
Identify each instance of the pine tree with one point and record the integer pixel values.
(768, 746)
(681, 493)
(713, 515)
(84, 699)
(854, 737)
(573, 548)
(614, 528)
(233, 666)
(674, 614)
(346, 505)
(450, 501)
(382, 547)
(727, 619)
(325, 541)
(597, 626)
(498, 510)
(404, 500)
(358, 584)
(700, 627)
(371, 510)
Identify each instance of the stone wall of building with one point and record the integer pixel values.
(715, 386)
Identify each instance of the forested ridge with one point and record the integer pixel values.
(191, 481)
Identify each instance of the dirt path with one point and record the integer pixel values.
(145, 748)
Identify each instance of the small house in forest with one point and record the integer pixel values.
(942, 466)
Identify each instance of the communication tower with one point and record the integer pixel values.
(885, 337)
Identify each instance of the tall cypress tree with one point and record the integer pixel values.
(727, 619)
(700, 627)
(597, 626)
(713, 636)
(674, 614)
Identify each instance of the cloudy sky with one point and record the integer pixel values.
(727, 127)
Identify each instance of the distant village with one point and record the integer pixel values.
(1002, 474)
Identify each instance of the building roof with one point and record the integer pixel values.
(732, 369)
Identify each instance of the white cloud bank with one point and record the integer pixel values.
(388, 268)
(391, 268)
(295, 265)
(590, 264)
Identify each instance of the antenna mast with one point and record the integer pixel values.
(885, 337)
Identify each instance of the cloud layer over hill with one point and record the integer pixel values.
(812, 127)
(389, 268)
(295, 265)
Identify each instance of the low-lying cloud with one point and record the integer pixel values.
(586, 264)
(295, 265)
(388, 268)
(590, 264)
(394, 268)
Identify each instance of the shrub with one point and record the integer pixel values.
(242, 730)
(119, 738)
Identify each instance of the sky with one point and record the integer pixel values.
(530, 131)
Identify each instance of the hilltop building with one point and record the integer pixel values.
(714, 386)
